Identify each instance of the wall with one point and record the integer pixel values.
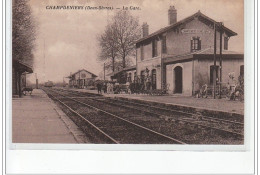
(179, 43)
(186, 77)
(202, 70)
(148, 51)
(88, 75)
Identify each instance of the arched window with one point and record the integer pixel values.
(135, 76)
(154, 79)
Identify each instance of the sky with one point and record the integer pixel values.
(66, 40)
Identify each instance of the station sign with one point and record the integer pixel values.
(193, 31)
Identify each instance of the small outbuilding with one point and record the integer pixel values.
(124, 75)
(81, 79)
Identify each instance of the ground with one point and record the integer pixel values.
(36, 119)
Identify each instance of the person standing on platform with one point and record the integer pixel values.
(99, 87)
(105, 88)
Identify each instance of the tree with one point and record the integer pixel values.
(117, 43)
(127, 31)
(23, 34)
(118, 64)
(108, 45)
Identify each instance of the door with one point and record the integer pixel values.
(178, 79)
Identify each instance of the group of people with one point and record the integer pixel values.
(106, 87)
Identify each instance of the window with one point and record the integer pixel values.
(211, 73)
(142, 52)
(164, 47)
(153, 79)
(195, 44)
(154, 45)
(135, 76)
(225, 43)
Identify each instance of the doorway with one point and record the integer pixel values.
(178, 79)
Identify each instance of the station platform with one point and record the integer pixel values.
(37, 119)
(222, 105)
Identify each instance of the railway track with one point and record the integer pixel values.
(112, 128)
(229, 126)
(191, 128)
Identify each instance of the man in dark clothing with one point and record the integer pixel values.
(105, 88)
(99, 87)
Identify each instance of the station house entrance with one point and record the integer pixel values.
(178, 79)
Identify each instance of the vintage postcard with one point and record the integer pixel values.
(164, 72)
(130, 86)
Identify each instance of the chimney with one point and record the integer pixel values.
(145, 28)
(172, 15)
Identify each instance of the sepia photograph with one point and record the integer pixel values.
(128, 72)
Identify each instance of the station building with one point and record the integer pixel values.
(81, 79)
(181, 55)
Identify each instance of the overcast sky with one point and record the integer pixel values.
(70, 35)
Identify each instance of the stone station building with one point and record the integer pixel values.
(181, 55)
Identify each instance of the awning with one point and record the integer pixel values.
(22, 67)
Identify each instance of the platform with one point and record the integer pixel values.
(223, 105)
(37, 119)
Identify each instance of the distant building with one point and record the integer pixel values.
(81, 79)
(181, 54)
(19, 71)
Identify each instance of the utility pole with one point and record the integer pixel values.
(104, 71)
(214, 71)
(220, 60)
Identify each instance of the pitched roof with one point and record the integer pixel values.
(205, 53)
(80, 71)
(21, 66)
(124, 69)
(198, 14)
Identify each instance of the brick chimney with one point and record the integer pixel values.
(145, 28)
(172, 15)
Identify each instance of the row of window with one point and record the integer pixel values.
(195, 45)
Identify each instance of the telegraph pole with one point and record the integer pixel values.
(220, 61)
(214, 71)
